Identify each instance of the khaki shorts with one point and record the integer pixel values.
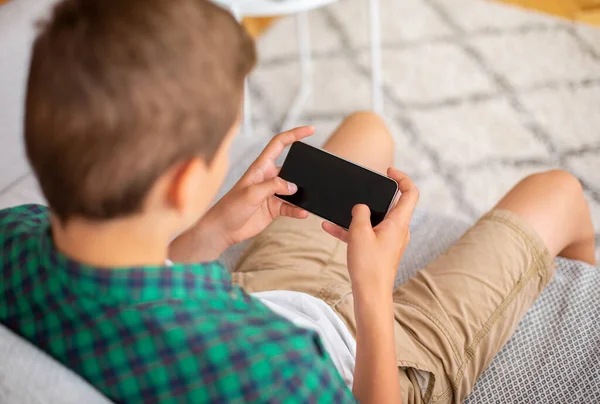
(451, 317)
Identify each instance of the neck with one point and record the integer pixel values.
(127, 242)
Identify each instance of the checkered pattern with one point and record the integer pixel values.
(155, 334)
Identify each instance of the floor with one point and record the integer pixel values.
(477, 95)
(579, 10)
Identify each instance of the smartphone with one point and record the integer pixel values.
(329, 186)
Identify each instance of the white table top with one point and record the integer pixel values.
(267, 8)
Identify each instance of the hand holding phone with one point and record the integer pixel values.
(246, 210)
(374, 253)
(329, 186)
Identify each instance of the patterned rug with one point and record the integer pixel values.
(477, 94)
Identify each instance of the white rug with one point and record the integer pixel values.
(477, 94)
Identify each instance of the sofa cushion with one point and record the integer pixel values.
(29, 376)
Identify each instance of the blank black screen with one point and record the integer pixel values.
(330, 187)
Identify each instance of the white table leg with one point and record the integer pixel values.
(247, 127)
(302, 31)
(376, 80)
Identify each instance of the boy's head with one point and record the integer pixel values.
(132, 103)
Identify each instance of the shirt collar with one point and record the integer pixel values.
(136, 284)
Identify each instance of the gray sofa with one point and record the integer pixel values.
(553, 357)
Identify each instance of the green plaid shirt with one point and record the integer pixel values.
(155, 334)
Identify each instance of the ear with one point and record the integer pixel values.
(185, 189)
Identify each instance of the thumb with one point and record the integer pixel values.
(361, 221)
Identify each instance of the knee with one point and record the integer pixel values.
(374, 125)
(559, 180)
(365, 115)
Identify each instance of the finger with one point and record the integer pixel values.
(261, 191)
(336, 231)
(361, 221)
(409, 196)
(278, 144)
(261, 168)
(292, 211)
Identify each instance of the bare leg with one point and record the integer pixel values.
(554, 205)
(364, 139)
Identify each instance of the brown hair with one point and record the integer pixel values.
(121, 90)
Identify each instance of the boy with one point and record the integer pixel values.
(131, 109)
